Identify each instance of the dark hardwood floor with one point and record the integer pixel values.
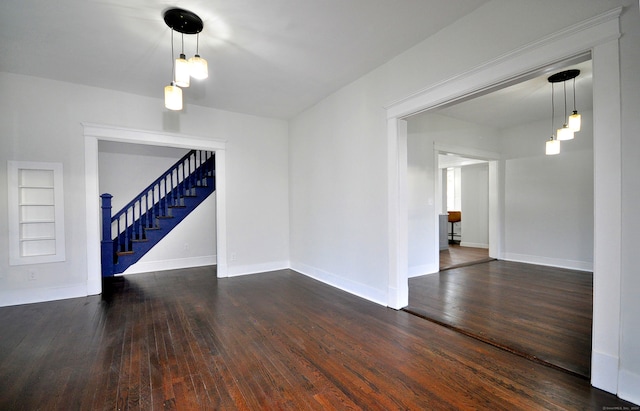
(457, 256)
(186, 340)
(542, 313)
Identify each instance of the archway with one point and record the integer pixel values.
(599, 37)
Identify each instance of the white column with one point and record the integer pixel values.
(398, 289)
(607, 216)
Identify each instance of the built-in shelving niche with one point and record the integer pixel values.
(36, 212)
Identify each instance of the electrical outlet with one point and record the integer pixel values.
(186, 246)
(232, 257)
(32, 276)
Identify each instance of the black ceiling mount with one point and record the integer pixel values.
(183, 21)
(563, 76)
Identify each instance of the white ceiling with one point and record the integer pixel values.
(452, 160)
(520, 103)
(267, 57)
(527, 101)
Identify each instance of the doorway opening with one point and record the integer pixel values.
(462, 186)
(529, 180)
(93, 134)
(125, 170)
(596, 38)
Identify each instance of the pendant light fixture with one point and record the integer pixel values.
(565, 132)
(184, 22)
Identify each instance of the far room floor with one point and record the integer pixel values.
(539, 312)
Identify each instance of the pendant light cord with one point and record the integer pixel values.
(173, 66)
(564, 85)
(574, 95)
(553, 111)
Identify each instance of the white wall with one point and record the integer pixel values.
(191, 244)
(425, 131)
(338, 191)
(126, 169)
(475, 206)
(40, 120)
(549, 199)
(423, 231)
(345, 242)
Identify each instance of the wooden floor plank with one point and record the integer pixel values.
(543, 313)
(458, 256)
(186, 340)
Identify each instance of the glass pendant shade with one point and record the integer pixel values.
(575, 121)
(199, 68)
(182, 74)
(553, 147)
(183, 22)
(564, 133)
(173, 97)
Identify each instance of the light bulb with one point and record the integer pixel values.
(574, 121)
(552, 147)
(173, 97)
(564, 133)
(198, 67)
(182, 72)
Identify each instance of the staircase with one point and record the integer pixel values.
(151, 215)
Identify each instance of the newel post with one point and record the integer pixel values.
(107, 242)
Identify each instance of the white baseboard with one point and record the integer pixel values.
(552, 262)
(39, 295)
(174, 264)
(352, 287)
(474, 245)
(232, 271)
(237, 270)
(629, 386)
(423, 270)
(604, 372)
